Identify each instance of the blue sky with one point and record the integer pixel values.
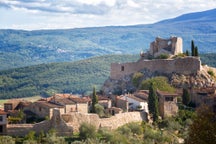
(61, 14)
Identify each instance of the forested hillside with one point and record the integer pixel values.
(68, 77)
(23, 48)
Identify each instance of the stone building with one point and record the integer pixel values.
(167, 103)
(43, 108)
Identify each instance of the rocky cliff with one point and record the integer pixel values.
(203, 78)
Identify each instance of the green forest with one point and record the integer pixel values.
(66, 77)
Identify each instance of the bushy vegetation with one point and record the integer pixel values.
(136, 78)
(159, 82)
(163, 56)
(47, 79)
(211, 73)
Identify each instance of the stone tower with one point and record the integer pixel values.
(171, 46)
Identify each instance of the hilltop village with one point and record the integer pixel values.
(121, 101)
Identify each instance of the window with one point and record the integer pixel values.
(1, 129)
(122, 68)
(1, 118)
(168, 98)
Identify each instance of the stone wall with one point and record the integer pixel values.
(66, 124)
(186, 65)
(113, 122)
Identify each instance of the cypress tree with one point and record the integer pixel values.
(153, 102)
(187, 53)
(185, 97)
(196, 53)
(192, 48)
(94, 100)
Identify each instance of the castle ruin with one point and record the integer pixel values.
(173, 46)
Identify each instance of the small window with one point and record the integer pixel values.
(1, 118)
(168, 98)
(122, 68)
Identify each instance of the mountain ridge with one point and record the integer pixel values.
(19, 48)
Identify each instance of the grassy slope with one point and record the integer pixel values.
(67, 77)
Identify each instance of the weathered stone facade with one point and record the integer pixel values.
(186, 65)
(171, 46)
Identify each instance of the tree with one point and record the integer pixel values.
(185, 97)
(192, 48)
(153, 102)
(94, 100)
(196, 53)
(187, 53)
(203, 128)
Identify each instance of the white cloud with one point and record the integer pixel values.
(50, 14)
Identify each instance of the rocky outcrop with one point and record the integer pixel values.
(196, 80)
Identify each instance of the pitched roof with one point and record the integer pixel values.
(142, 94)
(62, 101)
(48, 104)
(79, 100)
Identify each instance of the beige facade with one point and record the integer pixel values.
(167, 104)
(82, 107)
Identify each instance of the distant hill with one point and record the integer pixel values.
(23, 48)
(66, 77)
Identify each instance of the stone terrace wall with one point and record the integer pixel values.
(19, 129)
(113, 122)
(187, 65)
(66, 124)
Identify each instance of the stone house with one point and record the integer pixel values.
(43, 108)
(69, 105)
(105, 102)
(167, 103)
(3, 122)
(15, 104)
(82, 103)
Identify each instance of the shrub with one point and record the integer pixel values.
(136, 78)
(163, 56)
(6, 140)
(87, 131)
(135, 128)
(211, 73)
(99, 109)
(160, 83)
